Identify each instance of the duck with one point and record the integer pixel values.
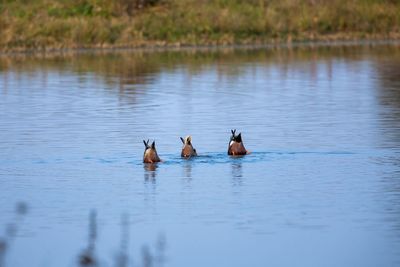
(236, 147)
(150, 153)
(188, 149)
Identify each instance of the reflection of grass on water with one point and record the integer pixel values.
(88, 256)
(126, 71)
(104, 23)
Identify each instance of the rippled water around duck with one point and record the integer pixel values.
(321, 186)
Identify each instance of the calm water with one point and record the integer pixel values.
(321, 187)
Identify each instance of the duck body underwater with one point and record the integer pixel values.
(188, 150)
(236, 147)
(150, 153)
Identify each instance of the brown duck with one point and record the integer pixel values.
(188, 149)
(236, 147)
(150, 153)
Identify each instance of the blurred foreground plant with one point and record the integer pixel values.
(88, 256)
(21, 209)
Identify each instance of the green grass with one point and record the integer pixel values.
(54, 24)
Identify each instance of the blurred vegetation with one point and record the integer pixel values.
(12, 228)
(89, 257)
(58, 24)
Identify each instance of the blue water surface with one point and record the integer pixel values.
(321, 186)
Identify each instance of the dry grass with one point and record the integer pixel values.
(56, 24)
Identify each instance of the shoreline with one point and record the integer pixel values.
(163, 46)
(55, 26)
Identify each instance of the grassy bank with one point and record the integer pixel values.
(57, 24)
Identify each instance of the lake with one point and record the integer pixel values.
(321, 186)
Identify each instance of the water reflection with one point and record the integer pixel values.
(187, 169)
(389, 96)
(129, 72)
(237, 171)
(150, 172)
(297, 105)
